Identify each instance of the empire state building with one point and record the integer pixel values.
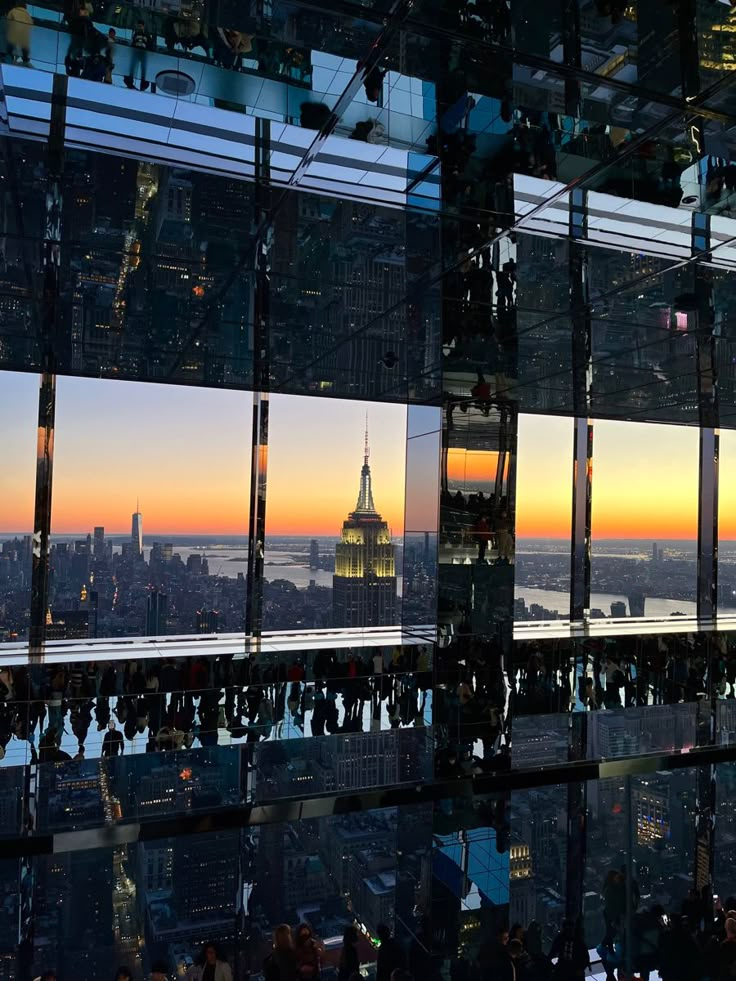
(364, 584)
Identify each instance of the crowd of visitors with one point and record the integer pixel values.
(653, 670)
(478, 521)
(96, 50)
(698, 943)
(296, 955)
(183, 702)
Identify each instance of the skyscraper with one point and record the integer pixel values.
(157, 606)
(99, 543)
(136, 533)
(208, 621)
(364, 584)
(314, 554)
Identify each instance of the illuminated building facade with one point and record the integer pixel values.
(364, 584)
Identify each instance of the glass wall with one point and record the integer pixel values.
(727, 521)
(18, 415)
(543, 517)
(334, 513)
(150, 507)
(645, 500)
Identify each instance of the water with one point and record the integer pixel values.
(653, 606)
(230, 561)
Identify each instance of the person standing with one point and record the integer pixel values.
(726, 954)
(280, 965)
(390, 955)
(349, 959)
(112, 744)
(308, 955)
(18, 27)
(139, 43)
(210, 967)
(571, 953)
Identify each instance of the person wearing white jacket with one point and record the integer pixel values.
(210, 967)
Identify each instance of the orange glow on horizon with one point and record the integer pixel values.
(645, 480)
(472, 469)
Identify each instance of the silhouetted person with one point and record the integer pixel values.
(680, 957)
(280, 965)
(140, 42)
(308, 954)
(112, 744)
(390, 955)
(726, 955)
(571, 952)
(349, 959)
(493, 958)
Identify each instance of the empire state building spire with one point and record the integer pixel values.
(364, 584)
(365, 503)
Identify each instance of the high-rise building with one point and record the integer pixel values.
(364, 584)
(314, 554)
(68, 625)
(157, 605)
(208, 621)
(136, 533)
(99, 543)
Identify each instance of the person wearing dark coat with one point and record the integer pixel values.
(390, 955)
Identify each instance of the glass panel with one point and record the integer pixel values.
(18, 415)
(150, 510)
(62, 712)
(339, 319)
(543, 321)
(323, 475)
(543, 517)
(645, 493)
(642, 326)
(23, 189)
(156, 272)
(349, 877)
(641, 834)
(419, 585)
(538, 864)
(727, 521)
(725, 833)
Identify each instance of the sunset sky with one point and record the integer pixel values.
(185, 453)
(645, 480)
